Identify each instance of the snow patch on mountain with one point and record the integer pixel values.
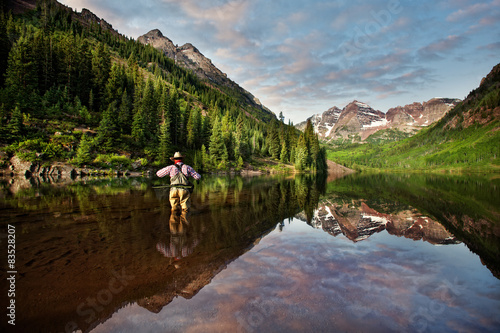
(380, 123)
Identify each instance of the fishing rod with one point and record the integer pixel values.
(168, 186)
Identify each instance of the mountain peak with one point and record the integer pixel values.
(361, 104)
(190, 47)
(155, 32)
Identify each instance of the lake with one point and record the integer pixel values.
(363, 253)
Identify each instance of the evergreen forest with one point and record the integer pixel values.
(75, 92)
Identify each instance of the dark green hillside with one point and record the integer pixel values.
(74, 90)
(466, 139)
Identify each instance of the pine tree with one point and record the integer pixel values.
(139, 127)
(309, 137)
(108, 132)
(285, 146)
(115, 84)
(150, 109)
(315, 152)
(206, 130)
(255, 143)
(197, 127)
(284, 152)
(21, 76)
(15, 128)
(198, 161)
(174, 116)
(242, 148)
(91, 100)
(217, 146)
(4, 48)
(191, 129)
(274, 142)
(224, 159)
(84, 81)
(321, 164)
(227, 135)
(101, 66)
(292, 155)
(124, 118)
(69, 62)
(185, 114)
(3, 127)
(165, 146)
(205, 157)
(281, 117)
(239, 164)
(46, 61)
(84, 151)
(301, 154)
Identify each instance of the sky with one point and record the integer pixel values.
(302, 57)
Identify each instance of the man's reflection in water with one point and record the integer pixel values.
(181, 243)
(281, 225)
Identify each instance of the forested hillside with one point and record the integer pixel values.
(74, 91)
(467, 138)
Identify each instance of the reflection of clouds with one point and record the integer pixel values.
(298, 280)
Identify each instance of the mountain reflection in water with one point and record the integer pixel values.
(92, 254)
(357, 221)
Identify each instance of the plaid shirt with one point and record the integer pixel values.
(172, 170)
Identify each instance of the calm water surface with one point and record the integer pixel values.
(366, 253)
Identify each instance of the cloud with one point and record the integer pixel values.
(393, 59)
(225, 18)
(491, 47)
(441, 47)
(473, 11)
(482, 15)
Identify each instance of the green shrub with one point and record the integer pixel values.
(36, 150)
(144, 161)
(112, 160)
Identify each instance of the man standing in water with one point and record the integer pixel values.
(180, 196)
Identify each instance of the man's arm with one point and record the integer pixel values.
(193, 173)
(163, 172)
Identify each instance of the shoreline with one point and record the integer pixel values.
(29, 174)
(21, 169)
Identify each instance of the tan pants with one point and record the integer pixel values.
(180, 197)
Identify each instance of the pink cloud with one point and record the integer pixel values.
(473, 11)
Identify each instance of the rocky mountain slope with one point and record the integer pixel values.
(189, 57)
(481, 107)
(357, 121)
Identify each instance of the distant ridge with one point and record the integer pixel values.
(357, 121)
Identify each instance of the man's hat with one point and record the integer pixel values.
(177, 156)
